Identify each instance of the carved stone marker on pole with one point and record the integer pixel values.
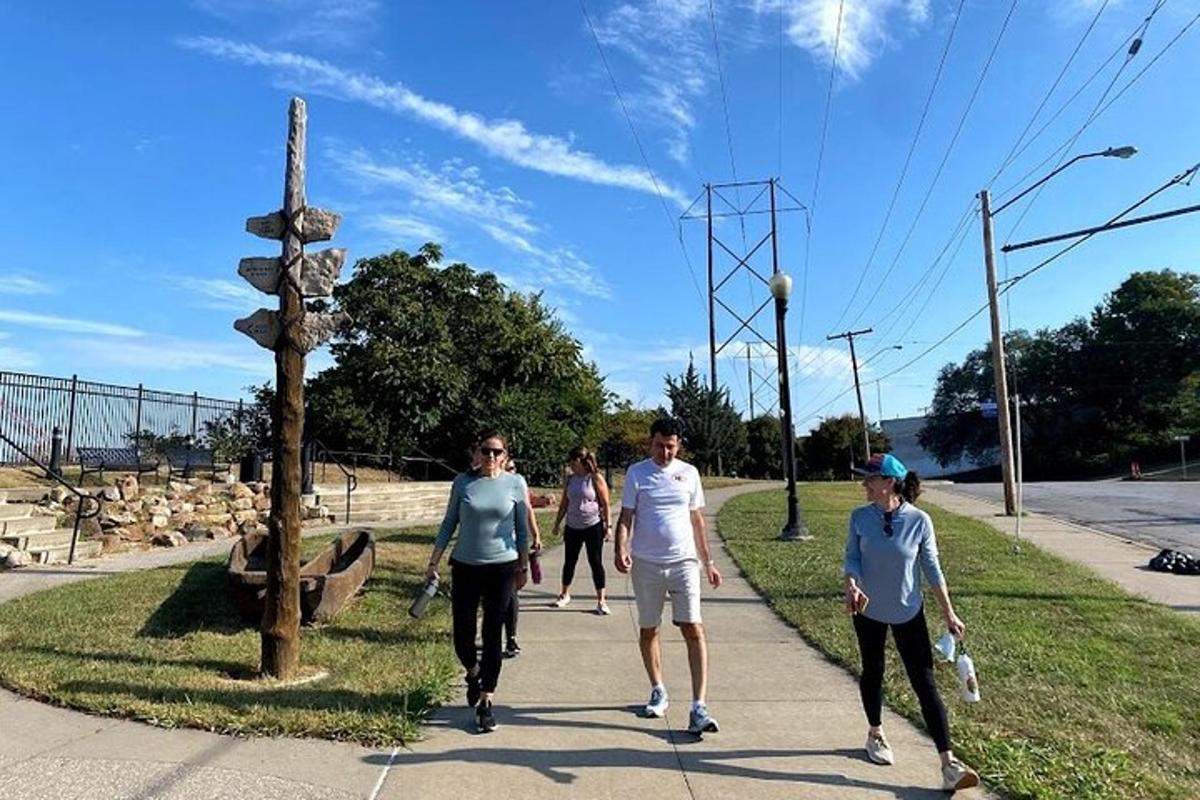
(291, 332)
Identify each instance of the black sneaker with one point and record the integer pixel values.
(473, 690)
(485, 722)
(512, 649)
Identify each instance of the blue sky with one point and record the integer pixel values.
(139, 136)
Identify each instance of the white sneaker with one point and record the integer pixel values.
(957, 775)
(602, 609)
(657, 705)
(562, 601)
(878, 750)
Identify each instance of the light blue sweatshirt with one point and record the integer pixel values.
(888, 568)
(491, 517)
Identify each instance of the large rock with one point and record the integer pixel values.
(130, 533)
(245, 515)
(194, 532)
(241, 491)
(110, 493)
(57, 494)
(112, 543)
(262, 503)
(168, 539)
(242, 504)
(160, 520)
(17, 558)
(128, 488)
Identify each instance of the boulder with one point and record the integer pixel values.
(57, 495)
(129, 533)
(247, 515)
(112, 543)
(159, 520)
(262, 503)
(17, 558)
(242, 504)
(194, 532)
(168, 539)
(128, 488)
(241, 491)
(110, 494)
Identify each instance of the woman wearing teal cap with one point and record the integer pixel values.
(890, 544)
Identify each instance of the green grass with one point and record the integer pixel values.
(160, 646)
(1088, 692)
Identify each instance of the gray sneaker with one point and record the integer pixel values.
(878, 749)
(957, 775)
(657, 705)
(700, 722)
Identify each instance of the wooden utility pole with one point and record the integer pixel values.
(862, 413)
(291, 333)
(998, 366)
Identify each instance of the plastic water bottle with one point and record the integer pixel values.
(421, 603)
(945, 646)
(967, 679)
(535, 566)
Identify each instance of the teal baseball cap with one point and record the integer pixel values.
(884, 464)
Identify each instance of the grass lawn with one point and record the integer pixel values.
(160, 645)
(1088, 692)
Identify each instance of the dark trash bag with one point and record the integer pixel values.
(1174, 561)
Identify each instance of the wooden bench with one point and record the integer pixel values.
(114, 459)
(184, 461)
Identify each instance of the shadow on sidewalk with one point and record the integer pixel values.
(562, 766)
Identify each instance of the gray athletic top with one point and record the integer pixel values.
(491, 516)
(888, 568)
(583, 509)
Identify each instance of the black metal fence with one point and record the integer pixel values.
(96, 414)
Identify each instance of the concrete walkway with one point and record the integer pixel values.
(1118, 559)
(791, 724)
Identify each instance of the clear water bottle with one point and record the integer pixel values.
(421, 603)
(535, 565)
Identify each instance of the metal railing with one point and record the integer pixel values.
(315, 448)
(80, 497)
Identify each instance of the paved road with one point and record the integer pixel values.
(1160, 514)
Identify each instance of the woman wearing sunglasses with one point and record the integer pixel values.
(490, 561)
(890, 545)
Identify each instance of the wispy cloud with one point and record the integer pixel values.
(23, 284)
(221, 294)
(867, 27)
(66, 324)
(337, 23)
(670, 41)
(171, 354)
(507, 139)
(14, 357)
(409, 230)
(458, 192)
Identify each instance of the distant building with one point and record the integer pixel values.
(903, 435)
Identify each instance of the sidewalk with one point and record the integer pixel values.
(1119, 560)
(791, 724)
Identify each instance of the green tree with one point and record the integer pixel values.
(837, 442)
(437, 354)
(713, 430)
(624, 434)
(764, 441)
(249, 428)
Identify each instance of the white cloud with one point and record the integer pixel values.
(223, 295)
(172, 354)
(867, 27)
(338, 23)
(404, 228)
(670, 40)
(14, 357)
(66, 324)
(507, 139)
(23, 284)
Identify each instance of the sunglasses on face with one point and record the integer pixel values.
(887, 524)
(491, 451)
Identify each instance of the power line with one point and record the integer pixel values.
(642, 151)
(937, 77)
(837, 42)
(945, 158)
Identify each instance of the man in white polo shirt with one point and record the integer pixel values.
(663, 505)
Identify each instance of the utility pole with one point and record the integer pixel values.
(998, 367)
(862, 414)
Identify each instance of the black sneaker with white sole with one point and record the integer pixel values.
(485, 720)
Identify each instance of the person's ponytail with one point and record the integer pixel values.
(910, 487)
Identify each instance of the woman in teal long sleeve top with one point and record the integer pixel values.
(489, 562)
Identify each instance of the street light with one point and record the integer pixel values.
(998, 368)
(793, 530)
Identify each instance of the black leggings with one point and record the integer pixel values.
(912, 640)
(593, 538)
(511, 616)
(471, 585)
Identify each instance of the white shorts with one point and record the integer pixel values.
(652, 583)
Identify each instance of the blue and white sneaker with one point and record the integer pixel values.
(699, 722)
(657, 705)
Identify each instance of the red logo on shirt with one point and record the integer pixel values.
(680, 477)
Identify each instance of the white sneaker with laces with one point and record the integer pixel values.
(562, 601)
(957, 775)
(658, 703)
(878, 749)
(602, 609)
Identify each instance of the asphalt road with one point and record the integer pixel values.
(1156, 513)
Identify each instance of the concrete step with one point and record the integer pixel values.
(15, 510)
(31, 539)
(434, 504)
(58, 554)
(383, 516)
(385, 488)
(13, 527)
